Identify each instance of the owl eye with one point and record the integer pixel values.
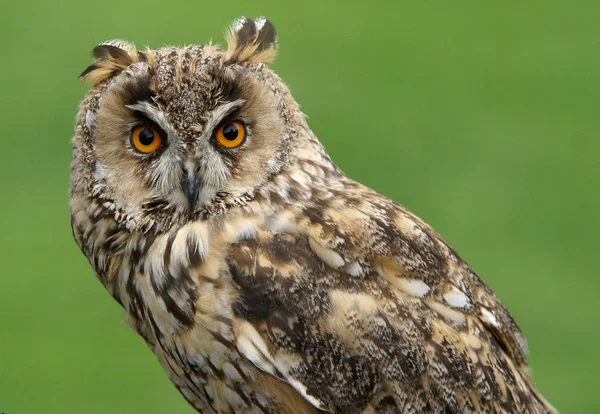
(231, 134)
(145, 139)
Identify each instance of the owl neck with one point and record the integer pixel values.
(306, 173)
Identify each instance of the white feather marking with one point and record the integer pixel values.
(238, 24)
(456, 298)
(179, 248)
(327, 255)
(253, 347)
(156, 115)
(413, 287)
(447, 312)
(353, 269)
(206, 194)
(120, 43)
(155, 262)
(260, 22)
(489, 317)
(274, 165)
(239, 230)
(298, 386)
(90, 119)
(199, 232)
(246, 230)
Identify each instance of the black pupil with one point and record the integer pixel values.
(230, 132)
(146, 136)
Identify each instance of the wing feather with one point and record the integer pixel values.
(363, 307)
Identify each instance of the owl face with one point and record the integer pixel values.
(177, 129)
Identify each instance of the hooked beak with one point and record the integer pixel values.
(191, 188)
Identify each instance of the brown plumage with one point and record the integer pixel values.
(262, 277)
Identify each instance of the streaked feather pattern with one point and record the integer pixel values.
(285, 287)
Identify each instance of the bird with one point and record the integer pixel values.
(262, 277)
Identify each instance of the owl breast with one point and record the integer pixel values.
(178, 295)
(298, 309)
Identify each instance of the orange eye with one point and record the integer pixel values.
(145, 139)
(231, 134)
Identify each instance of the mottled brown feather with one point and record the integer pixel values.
(285, 287)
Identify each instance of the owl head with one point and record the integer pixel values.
(175, 133)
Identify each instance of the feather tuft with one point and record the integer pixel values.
(112, 57)
(251, 41)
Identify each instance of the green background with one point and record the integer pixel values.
(481, 117)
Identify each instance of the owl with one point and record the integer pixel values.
(264, 279)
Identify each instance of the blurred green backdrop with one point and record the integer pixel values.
(481, 117)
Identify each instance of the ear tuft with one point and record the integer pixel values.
(112, 57)
(251, 40)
